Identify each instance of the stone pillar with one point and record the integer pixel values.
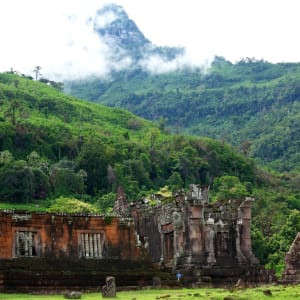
(162, 242)
(211, 259)
(239, 255)
(177, 221)
(245, 231)
(195, 229)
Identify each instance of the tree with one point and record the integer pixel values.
(175, 181)
(37, 72)
(17, 182)
(5, 157)
(13, 108)
(280, 242)
(229, 187)
(111, 176)
(94, 158)
(106, 201)
(64, 179)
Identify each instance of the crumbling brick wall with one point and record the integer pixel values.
(24, 234)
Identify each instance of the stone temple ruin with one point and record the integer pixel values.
(291, 274)
(205, 242)
(208, 243)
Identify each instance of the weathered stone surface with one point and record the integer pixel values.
(46, 275)
(121, 206)
(185, 234)
(109, 289)
(66, 235)
(291, 274)
(198, 238)
(156, 282)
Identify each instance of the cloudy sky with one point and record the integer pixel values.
(54, 34)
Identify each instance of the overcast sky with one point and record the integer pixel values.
(54, 35)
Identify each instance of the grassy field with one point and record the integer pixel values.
(259, 293)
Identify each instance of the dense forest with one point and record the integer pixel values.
(61, 153)
(252, 104)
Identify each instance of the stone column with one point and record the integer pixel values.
(195, 230)
(162, 242)
(239, 255)
(211, 259)
(245, 232)
(177, 221)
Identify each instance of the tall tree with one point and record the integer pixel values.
(37, 72)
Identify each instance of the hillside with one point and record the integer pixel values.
(253, 105)
(41, 125)
(54, 146)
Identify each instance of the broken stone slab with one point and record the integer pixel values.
(109, 289)
(156, 282)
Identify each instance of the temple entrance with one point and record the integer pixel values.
(169, 246)
(222, 243)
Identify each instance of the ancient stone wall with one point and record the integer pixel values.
(189, 234)
(206, 242)
(42, 252)
(24, 234)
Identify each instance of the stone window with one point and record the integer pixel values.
(91, 245)
(26, 243)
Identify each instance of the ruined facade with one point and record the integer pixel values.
(291, 274)
(204, 241)
(43, 251)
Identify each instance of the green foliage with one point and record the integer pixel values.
(278, 292)
(251, 101)
(108, 219)
(71, 205)
(106, 202)
(229, 187)
(280, 242)
(17, 182)
(175, 181)
(58, 146)
(64, 180)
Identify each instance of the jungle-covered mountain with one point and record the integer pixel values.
(45, 131)
(56, 150)
(252, 104)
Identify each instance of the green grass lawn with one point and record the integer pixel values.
(278, 292)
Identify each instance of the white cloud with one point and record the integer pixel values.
(104, 20)
(57, 35)
(156, 64)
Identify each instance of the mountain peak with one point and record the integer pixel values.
(112, 23)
